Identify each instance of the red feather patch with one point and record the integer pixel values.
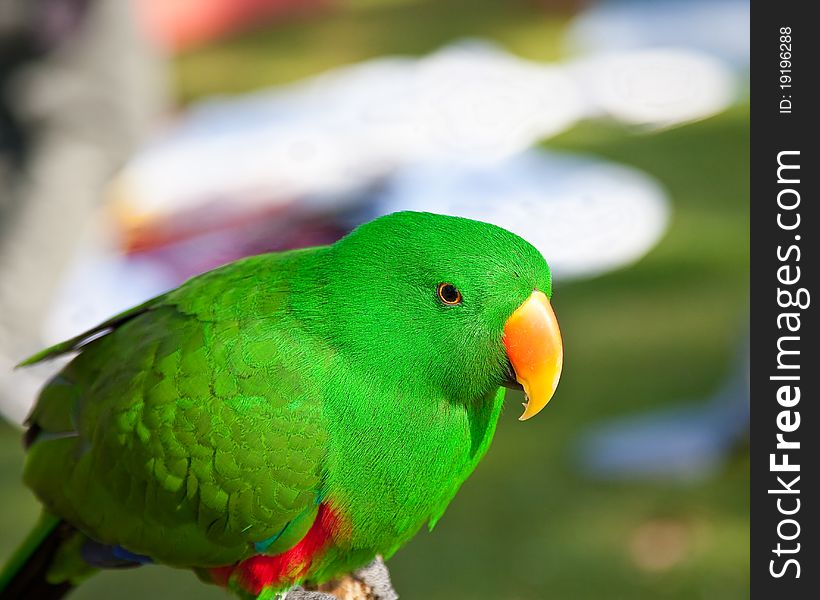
(259, 572)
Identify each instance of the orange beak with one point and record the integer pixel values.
(535, 350)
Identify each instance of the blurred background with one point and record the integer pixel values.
(145, 141)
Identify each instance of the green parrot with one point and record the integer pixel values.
(287, 418)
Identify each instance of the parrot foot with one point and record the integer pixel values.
(371, 582)
(299, 593)
(377, 578)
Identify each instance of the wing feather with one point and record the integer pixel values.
(199, 429)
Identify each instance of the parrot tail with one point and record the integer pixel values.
(24, 576)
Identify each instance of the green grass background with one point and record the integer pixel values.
(527, 525)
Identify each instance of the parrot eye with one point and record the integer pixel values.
(448, 294)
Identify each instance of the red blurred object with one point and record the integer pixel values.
(183, 24)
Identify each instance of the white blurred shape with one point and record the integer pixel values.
(585, 215)
(117, 284)
(480, 104)
(716, 27)
(20, 387)
(470, 102)
(656, 87)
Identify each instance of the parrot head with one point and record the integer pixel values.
(465, 303)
